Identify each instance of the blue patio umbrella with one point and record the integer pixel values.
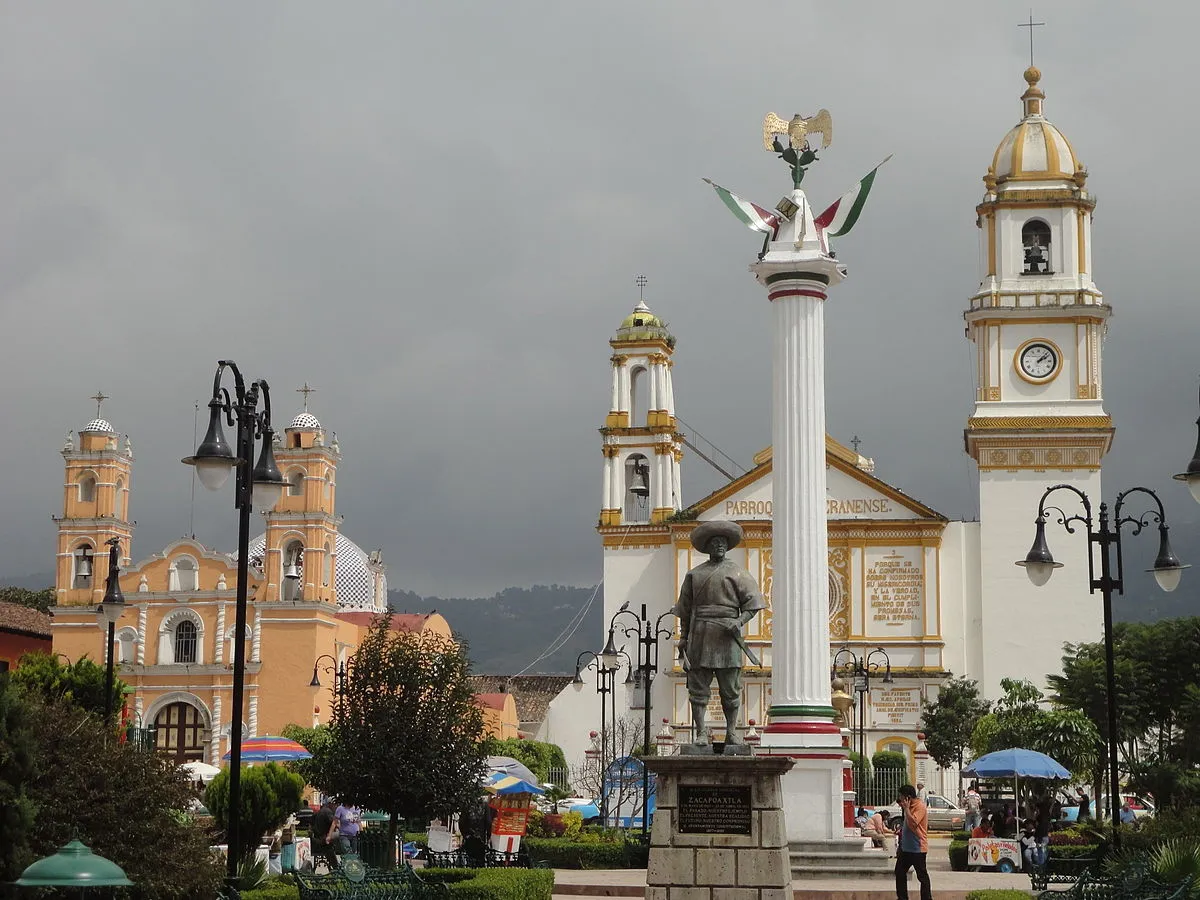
(1016, 763)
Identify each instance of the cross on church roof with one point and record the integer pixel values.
(306, 390)
(1030, 25)
(99, 397)
(641, 281)
(855, 441)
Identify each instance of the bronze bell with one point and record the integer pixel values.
(641, 483)
(292, 571)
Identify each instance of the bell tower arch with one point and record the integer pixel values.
(642, 450)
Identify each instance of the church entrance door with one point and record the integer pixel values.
(180, 733)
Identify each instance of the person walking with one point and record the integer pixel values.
(974, 806)
(349, 823)
(914, 843)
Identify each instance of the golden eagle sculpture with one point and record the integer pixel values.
(798, 129)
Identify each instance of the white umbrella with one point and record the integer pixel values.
(201, 771)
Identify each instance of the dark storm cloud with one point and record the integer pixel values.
(434, 212)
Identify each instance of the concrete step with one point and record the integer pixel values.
(836, 845)
(823, 872)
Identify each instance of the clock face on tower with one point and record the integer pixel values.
(1037, 361)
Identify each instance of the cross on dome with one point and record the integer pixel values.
(306, 390)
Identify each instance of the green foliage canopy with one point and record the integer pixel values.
(538, 756)
(40, 600)
(315, 740)
(269, 794)
(127, 804)
(45, 676)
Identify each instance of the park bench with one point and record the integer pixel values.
(1059, 870)
(354, 880)
(1135, 884)
(460, 859)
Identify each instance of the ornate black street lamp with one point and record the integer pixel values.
(648, 635)
(337, 669)
(860, 670)
(108, 613)
(258, 485)
(606, 663)
(1040, 564)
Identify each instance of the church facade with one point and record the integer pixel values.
(313, 594)
(940, 597)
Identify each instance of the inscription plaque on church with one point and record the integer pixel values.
(714, 809)
(895, 586)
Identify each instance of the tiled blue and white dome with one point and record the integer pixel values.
(100, 425)
(354, 575)
(305, 420)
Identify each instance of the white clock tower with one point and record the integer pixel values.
(1038, 323)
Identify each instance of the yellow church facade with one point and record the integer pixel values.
(313, 594)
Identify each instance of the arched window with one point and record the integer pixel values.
(637, 489)
(184, 575)
(327, 574)
(295, 481)
(82, 563)
(186, 641)
(87, 488)
(229, 649)
(1035, 242)
(639, 396)
(293, 571)
(119, 499)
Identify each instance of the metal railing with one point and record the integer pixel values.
(879, 787)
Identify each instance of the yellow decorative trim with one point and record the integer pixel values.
(661, 514)
(610, 517)
(616, 420)
(1080, 240)
(610, 450)
(618, 359)
(1051, 150)
(1058, 367)
(992, 393)
(1018, 152)
(627, 345)
(1038, 423)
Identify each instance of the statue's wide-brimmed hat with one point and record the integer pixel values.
(705, 532)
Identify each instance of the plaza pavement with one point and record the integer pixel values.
(947, 885)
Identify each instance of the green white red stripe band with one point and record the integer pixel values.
(842, 215)
(753, 216)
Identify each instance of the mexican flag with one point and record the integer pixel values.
(844, 213)
(751, 215)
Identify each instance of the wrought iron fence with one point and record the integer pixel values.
(559, 776)
(879, 787)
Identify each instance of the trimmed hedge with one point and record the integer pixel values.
(1074, 851)
(994, 894)
(504, 884)
(275, 890)
(958, 856)
(560, 854)
(464, 884)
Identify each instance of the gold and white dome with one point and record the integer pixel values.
(1034, 150)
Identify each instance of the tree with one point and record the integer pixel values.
(539, 757)
(40, 600)
(81, 682)
(950, 720)
(269, 794)
(314, 740)
(407, 735)
(18, 751)
(127, 804)
(597, 776)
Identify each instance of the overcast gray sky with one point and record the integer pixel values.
(434, 212)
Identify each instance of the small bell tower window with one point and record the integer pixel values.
(87, 488)
(82, 577)
(637, 490)
(295, 481)
(293, 571)
(639, 396)
(1035, 243)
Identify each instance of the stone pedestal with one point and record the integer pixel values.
(719, 831)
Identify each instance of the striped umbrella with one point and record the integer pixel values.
(270, 748)
(510, 784)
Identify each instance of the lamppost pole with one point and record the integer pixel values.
(108, 614)
(860, 668)
(259, 483)
(1040, 564)
(339, 676)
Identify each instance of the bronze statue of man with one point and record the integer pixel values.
(718, 597)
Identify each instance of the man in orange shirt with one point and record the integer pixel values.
(914, 843)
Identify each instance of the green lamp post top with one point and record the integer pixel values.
(75, 865)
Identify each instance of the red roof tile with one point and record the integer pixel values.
(22, 619)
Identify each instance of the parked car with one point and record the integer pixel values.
(943, 814)
(585, 806)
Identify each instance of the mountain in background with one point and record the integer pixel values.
(508, 631)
